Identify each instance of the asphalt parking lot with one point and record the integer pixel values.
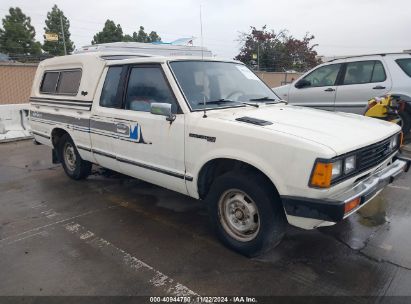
(113, 235)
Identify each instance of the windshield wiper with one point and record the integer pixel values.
(218, 101)
(222, 100)
(266, 98)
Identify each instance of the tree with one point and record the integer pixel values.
(128, 38)
(142, 36)
(114, 33)
(280, 51)
(110, 33)
(17, 35)
(302, 56)
(154, 37)
(53, 25)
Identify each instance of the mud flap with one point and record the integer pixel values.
(55, 157)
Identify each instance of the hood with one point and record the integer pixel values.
(282, 91)
(342, 132)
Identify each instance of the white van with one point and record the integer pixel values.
(211, 129)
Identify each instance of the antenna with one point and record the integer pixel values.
(201, 33)
(202, 59)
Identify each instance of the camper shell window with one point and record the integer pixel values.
(64, 82)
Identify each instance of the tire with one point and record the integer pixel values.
(250, 199)
(74, 166)
(406, 122)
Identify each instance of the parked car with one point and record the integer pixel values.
(211, 129)
(347, 84)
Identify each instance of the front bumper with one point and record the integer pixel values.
(332, 209)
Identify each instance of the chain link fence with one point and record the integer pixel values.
(15, 82)
(16, 77)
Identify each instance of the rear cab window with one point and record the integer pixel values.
(405, 65)
(63, 82)
(110, 94)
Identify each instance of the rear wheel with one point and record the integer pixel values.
(246, 213)
(74, 166)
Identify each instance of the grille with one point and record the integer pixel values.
(372, 155)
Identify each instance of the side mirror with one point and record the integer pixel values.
(163, 109)
(302, 84)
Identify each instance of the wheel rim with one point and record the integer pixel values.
(238, 215)
(70, 158)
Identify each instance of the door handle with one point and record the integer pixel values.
(122, 128)
(379, 87)
(329, 90)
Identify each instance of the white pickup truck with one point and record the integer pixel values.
(211, 129)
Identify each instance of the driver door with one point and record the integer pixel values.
(148, 146)
(320, 91)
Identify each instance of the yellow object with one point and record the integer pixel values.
(51, 37)
(321, 176)
(377, 107)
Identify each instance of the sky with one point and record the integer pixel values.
(340, 27)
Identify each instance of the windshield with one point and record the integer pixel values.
(219, 84)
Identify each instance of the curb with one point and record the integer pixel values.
(8, 140)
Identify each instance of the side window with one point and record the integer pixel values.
(323, 76)
(378, 75)
(69, 82)
(109, 93)
(61, 82)
(49, 83)
(361, 72)
(147, 85)
(405, 65)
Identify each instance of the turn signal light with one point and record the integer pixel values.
(322, 174)
(352, 204)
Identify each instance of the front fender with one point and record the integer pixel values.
(228, 153)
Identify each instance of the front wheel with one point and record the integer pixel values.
(246, 213)
(74, 166)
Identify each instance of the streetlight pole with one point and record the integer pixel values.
(62, 32)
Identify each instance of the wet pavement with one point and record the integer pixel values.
(113, 235)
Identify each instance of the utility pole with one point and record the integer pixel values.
(62, 32)
(258, 55)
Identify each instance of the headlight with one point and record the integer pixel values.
(325, 172)
(349, 164)
(337, 167)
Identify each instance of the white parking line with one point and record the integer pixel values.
(157, 278)
(50, 213)
(54, 223)
(41, 233)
